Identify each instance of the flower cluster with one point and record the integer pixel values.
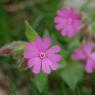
(85, 53)
(41, 56)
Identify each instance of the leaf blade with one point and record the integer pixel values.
(31, 34)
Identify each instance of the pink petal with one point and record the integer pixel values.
(27, 54)
(33, 61)
(31, 51)
(38, 43)
(67, 12)
(87, 48)
(36, 69)
(59, 27)
(89, 66)
(53, 66)
(53, 49)
(46, 67)
(64, 33)
(36, 65)
(32, 48)
(30, 45)
(60, 13)
(78, 55)
(54, 57)
(74, 15)
(46, 43)
(61, 20)
(93, 56)
(71, 31)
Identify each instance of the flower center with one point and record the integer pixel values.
(42, 55)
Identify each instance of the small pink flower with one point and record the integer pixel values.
(85, 53)
(68, 22)
(41, 56)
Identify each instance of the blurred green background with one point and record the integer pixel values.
(13, 14)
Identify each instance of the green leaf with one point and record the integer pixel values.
(31, 34)
(41, 82)
(72, 75)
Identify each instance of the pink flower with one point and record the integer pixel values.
(85, 53)
(68, 22)
(41, 56)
